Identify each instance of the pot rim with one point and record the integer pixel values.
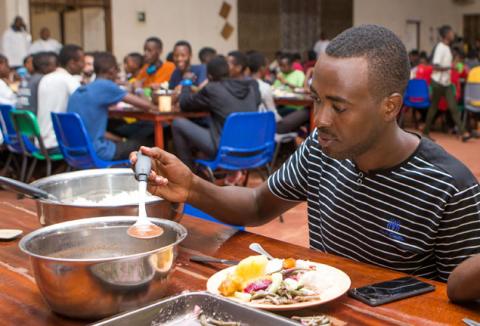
(181, 235)
(87, 173)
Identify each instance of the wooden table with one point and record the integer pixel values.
(300, 100)
(158, 118)
(22, 304)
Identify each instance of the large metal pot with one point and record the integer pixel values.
(93, 185)
(90, 268)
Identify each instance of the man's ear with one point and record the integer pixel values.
(391, 106)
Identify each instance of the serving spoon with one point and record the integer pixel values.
(143, 227)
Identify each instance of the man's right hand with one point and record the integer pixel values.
(169, 178)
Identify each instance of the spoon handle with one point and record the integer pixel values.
(259, 249)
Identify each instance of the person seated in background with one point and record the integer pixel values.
(132, 63)
(45, 43)
(311, 60)
(237, 64)
(28, 65)
(182, 55)
(43, 64)
(297, 61)
(274, 66)
(54, 90)
(154, 72)
(92, 102)
(423, 70)
(7, 96)
(88, 74)
(472, 59)
(463, 283)
(257, 64)
(289, 77)
(221, 96)
(206, 54)
(414, 58)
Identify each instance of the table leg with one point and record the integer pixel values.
(159, 134)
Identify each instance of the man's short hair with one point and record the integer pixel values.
(184, 43)
(206, 52)
(137, 57)
(239, 58)
(67, 53)
(156, 40)
(3, 58)
(41, 60)
(388, 63)
(217, 68)
(256, 60)
(443, 31)
(103, 62)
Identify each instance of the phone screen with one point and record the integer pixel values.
(388, 291)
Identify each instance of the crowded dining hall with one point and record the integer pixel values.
(240, 162)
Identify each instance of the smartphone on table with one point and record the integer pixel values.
(388, 291)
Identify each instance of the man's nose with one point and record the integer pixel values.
(323, 115)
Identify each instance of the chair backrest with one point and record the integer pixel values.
(417, 90)
(74, 142)
(26, 125)
(474, 75)
(10, 137)
(472, 94)
(247, 141)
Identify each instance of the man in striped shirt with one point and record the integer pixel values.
(375, 193)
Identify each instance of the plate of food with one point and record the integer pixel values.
(279, 284)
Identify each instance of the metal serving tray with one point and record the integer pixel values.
(175, 308)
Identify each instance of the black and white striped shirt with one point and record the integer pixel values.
(421, 217)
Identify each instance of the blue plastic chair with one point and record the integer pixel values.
(193, 211)
(75, 144)
(10, 138)
(417, 96)
(247, 142)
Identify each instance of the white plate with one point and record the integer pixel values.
(335, 284)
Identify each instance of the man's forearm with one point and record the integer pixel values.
(463, 284)
(236, 205)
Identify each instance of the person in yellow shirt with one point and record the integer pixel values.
(154, 71)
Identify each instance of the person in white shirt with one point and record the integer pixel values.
(441, 84)
(16, 42)
(45, 43)
(7, 96)
(321, 45)
(55, 89)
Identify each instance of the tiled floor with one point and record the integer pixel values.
(295, 228)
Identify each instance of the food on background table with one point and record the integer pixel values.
(278, 281)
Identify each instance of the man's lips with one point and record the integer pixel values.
(325, 139)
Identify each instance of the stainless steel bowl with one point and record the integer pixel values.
(91, 268)
(93, 185)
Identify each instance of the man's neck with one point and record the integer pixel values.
(393, 147)
(446, 42)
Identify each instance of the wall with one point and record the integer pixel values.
(195, 21)
(394, 14)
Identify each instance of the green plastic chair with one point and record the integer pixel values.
(26, 125)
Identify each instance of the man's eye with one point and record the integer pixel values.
(316, 99)
(338, 110)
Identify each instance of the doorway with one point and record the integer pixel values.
(85, 23)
